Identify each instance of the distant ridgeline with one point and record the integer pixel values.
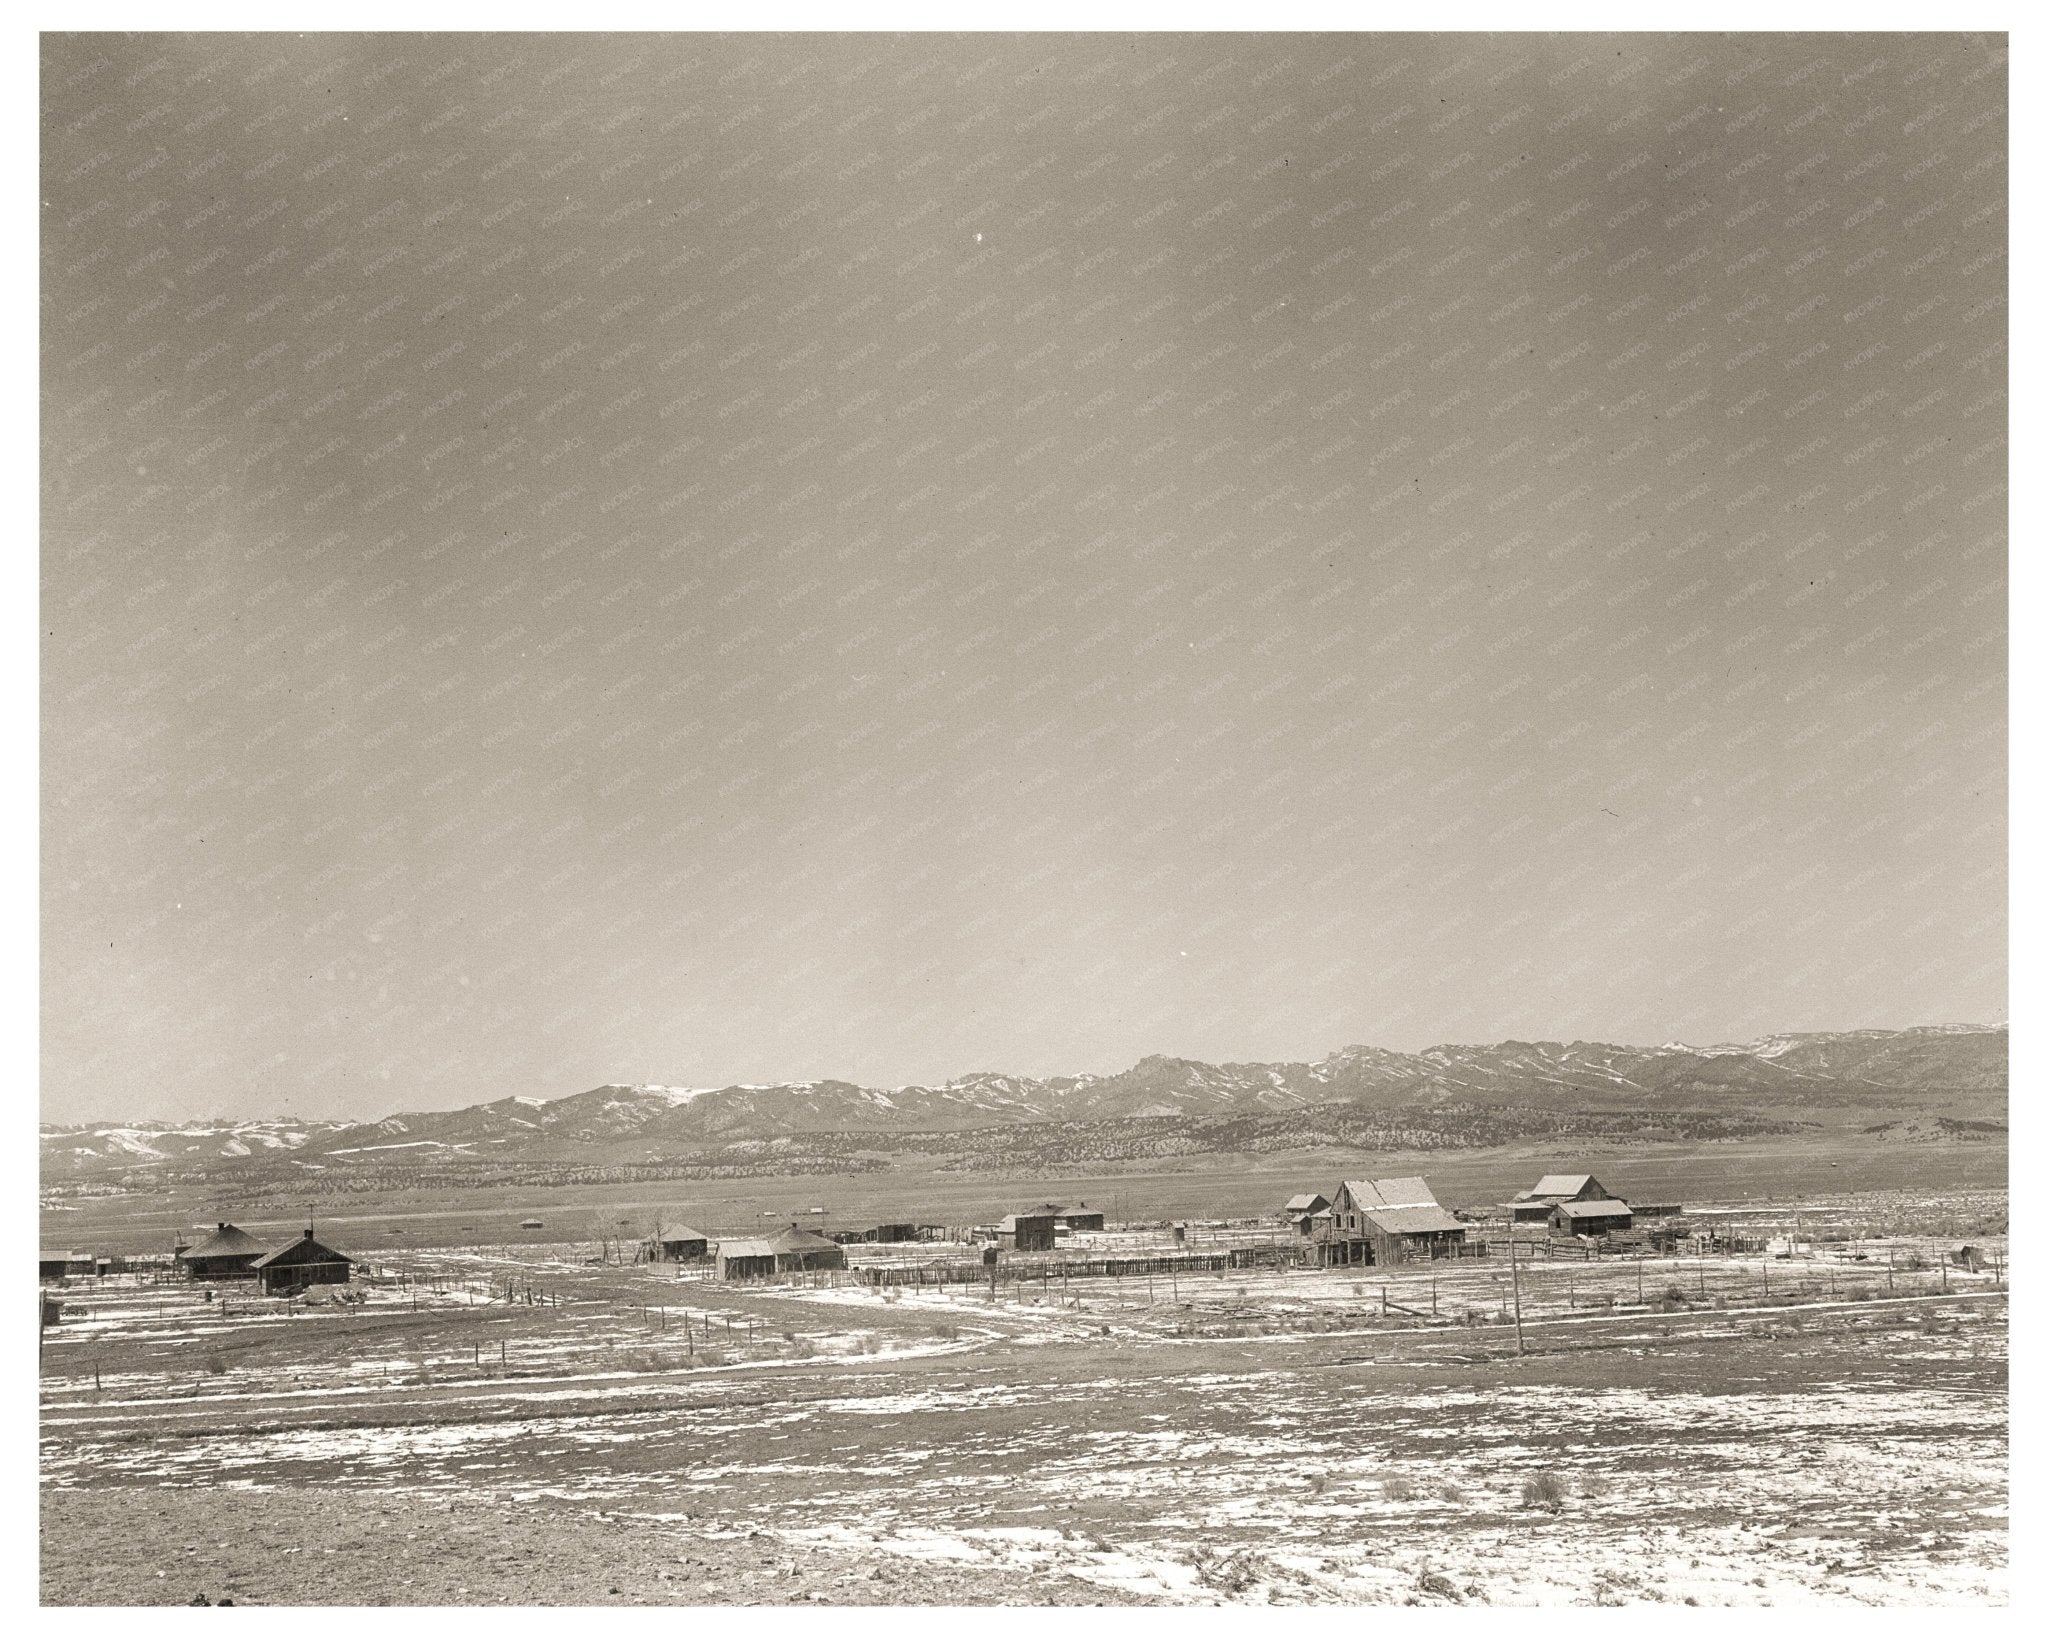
(1941, 1084)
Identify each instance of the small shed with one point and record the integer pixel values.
(745, 1259)
(52, 1268)
(300, 1263)
(1591, 1216)
(225, 1254)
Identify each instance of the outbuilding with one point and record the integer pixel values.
(1591, 1216)
(302, 1262)
(225, 1254)
(1081, 1217)
(745, 1259)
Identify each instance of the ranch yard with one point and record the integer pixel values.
(523, 1425)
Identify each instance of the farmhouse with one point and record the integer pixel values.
(225, 1254)
(793, 1251)
(799, 1250)
(678, 1243)
(303, 1262)
(1028, 1230)
(1387, 1220)
(1303, 1209)
(1552, 1190)
(1591, 1216)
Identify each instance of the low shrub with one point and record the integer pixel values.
(1544, 1490)
(1399, 1489)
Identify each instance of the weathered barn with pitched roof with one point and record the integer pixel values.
(300, 1263)
(1387, 1220)
(225, 1254)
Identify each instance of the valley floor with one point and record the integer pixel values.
(1704, 1444)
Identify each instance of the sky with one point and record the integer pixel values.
(706, 559)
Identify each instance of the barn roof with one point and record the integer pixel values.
(1561, 1183)
(745, 1248)
(1389, 1191)
(1594, 1208)
(680, 1231)
(1306, 1202)
(1411, 1219)
(226, 1241)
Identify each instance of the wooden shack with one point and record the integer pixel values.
(301, 1263)
(1591, 1217)
(225, 1254)
(745, 1259)
(1081, 1217)
(1553, 1189)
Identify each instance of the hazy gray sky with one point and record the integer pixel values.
(705, 558)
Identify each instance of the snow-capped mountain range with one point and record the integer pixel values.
(1883, 1067)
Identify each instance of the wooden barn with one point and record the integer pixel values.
(1387, 1220)
(225, 1254)
(678, 1243)
(1028, 1231)
(1591, 1216)
(1081, 1217)
(300, 1263)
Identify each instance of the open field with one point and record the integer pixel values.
(516, 1424)
(1205, 1186)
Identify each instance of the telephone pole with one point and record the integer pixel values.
(1515, 1279)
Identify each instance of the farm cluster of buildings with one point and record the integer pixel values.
(1366, 1221)
(1398, 1219)
(229, 1253)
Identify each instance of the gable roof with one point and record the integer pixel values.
(1389, 1191)
(1412, 1220)
(1560, 1183)
(304, 1243)
(793, 1239)
(226, 1241)
(744, 1248)
(669, 1235)
(1306, 1202)
(1594, 1208)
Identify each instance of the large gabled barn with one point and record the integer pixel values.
(1387, 1220)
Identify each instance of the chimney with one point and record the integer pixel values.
(309, 1234)
(220, 1225)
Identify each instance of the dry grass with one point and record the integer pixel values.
(1546, 1491)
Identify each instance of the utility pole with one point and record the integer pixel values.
(1515, 1277)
